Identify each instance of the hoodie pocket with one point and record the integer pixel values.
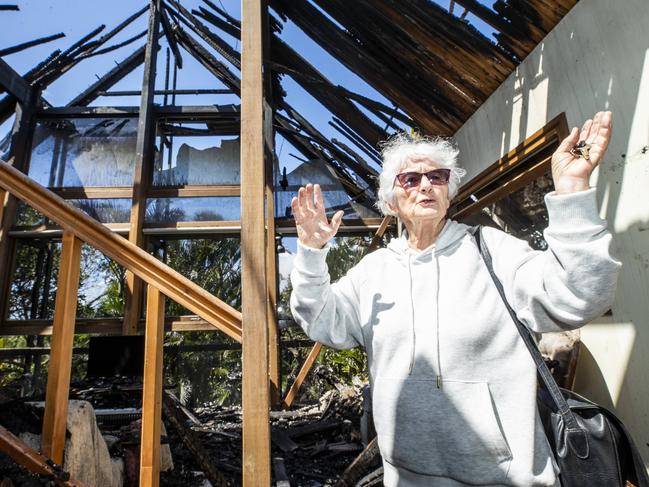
(452, 431)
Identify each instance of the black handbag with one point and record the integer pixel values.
(590, 444)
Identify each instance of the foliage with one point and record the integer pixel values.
(215, 265)
(212, 263)
(345, 253)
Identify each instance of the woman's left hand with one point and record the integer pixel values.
(572, 173)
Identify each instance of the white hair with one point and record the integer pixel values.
(400, 148)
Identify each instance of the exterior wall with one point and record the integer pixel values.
(597, 58)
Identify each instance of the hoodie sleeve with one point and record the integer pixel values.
(570, 283)
(328, 313)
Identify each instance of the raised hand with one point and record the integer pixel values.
(572, 173)
(313, 228)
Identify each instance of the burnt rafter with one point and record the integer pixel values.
(437, 67)
(303, 73)
(466, 53)
(214, 41)
(171, 37)
(324, 91)
(345, 48)
(110, 78)
(25, 45)
(209, 61)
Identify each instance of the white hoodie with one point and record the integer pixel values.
(453, 386)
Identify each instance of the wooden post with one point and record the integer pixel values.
(256, 426)
(143, 168)
(19, 158)
(274, 369)
(58, 376)
(301, 376)
(152, 390)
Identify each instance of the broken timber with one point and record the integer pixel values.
(18, 451)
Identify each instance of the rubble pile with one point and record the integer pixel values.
(312, 445)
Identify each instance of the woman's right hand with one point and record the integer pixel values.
(313, 228)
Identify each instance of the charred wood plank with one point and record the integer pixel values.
(14, 84)
(114, 47)
(324, 91)
(368, 458)
(223, 13)
(221, 24)
(279, 469)
(202, 55)
(109, 79)
(26, 45)
(144, 155)
(9, 7)
(33, 461)
(214, 41)
(112, 33)
(372, 152)
(192, 442)
(343, 47)
(383, 35)
(171, 37)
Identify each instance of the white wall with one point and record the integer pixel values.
(596, 58)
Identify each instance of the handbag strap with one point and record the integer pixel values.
(543, 371)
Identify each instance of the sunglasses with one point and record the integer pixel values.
(436, 177)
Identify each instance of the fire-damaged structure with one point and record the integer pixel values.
(139, 186)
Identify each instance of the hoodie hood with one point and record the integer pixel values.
(452, 233)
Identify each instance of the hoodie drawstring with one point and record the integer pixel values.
(439, 358)
(412, 319)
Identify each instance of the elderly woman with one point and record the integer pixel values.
(453, 385)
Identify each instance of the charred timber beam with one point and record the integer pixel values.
(499, 23)
(19, 154)
(214, 41)
(26, 45)
(216, 67)
(110, 78)
(308, 150)
(66, 60)
(14, 84)
(167, 92)
(24, 455)
(324, 91)
(366, 173)
(9, 7)
(388, 32)
(524, 17)
(112, 33)
(221, 24)
(369, 457)
(114, 47)
(186, 112)
(144, 154)
(223, 13)
(341, 45)
(358, 142)
(171, 37)
(174, 414)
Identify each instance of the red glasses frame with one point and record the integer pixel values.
(436, 177)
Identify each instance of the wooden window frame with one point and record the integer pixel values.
(526, 162)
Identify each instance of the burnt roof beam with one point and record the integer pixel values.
(14, 84)
(344, 48)
(110, 78)
(26, 45)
